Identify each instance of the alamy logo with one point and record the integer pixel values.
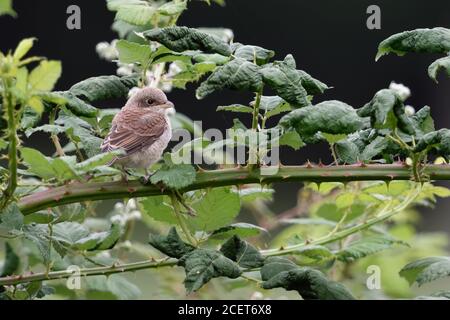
(74, 281)
(74, 20)
(374, 20)
(374, 280)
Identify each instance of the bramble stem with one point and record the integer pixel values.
(9, 105)
(89, 191)
(64, 274)
(383, 215)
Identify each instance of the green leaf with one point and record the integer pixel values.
(286, 82)
(237, 74)
(365, 246)
(315, 252)
(386, 110)
(173, 8)
(252, 53)
(11, 218)
(312, 85)
(191, 73)
(99, 240)
(438, 65)
(310, 284)
(202, 265)
(182, 39)
(135, 12)
(291, 139)
(171, 245)
(242, 230)
(251, 194)
(274, 266)
(113, 286)
(435, 40)
(216, 209)
(426, 270)
(332, 117)
(104, 87)
(74, 104)
(423, 122)
(6, 8)
(175, 176)
(22, 49)
(215, 58)
(30, 118)
(439, 140)
(159, 209)
(243, 253)
(45, 75)
(11, 262)
(37, 163)
(132, 52)
(99, 160)
(236, 108)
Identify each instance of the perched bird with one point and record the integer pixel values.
(141, 129)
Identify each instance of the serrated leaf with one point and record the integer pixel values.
(159, 209)
(171, 245)
(251, 194)
(104, 240)
(175, 176)
(172, 8)
(216, 209)
(37, 163)
(45, 75)
(132, 52)
(366, 246)
(386, 110)
(310, 284)
(111, 287)
(236, 108)
(22, 48)
(426, 270)
(286, 82)
(202, 265)
(291, 139)
(182, 39)
(6, 8)
(11, 218)
(243, 253)
(237, 74)
(99, 160)
(438, 140)
(242, 230)
(68, 99)
(252, 53)
(332, 117)
(440, 64)
(11, 262)
(30, 118)
(138, 13)
(435, 40)
(274, 266)
(103, 87)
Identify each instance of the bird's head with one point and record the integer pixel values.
(150, 98)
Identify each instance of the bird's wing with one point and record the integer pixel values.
(132, 131)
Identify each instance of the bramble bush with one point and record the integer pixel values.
(355, 213)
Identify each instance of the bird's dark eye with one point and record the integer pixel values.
(150, 102)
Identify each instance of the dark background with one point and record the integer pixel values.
(328, 38)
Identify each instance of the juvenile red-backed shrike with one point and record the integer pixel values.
(141, 129)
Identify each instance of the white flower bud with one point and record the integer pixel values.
(402, 91)
(133, 91)
(410, 111)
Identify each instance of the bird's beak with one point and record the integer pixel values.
(168, 105)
